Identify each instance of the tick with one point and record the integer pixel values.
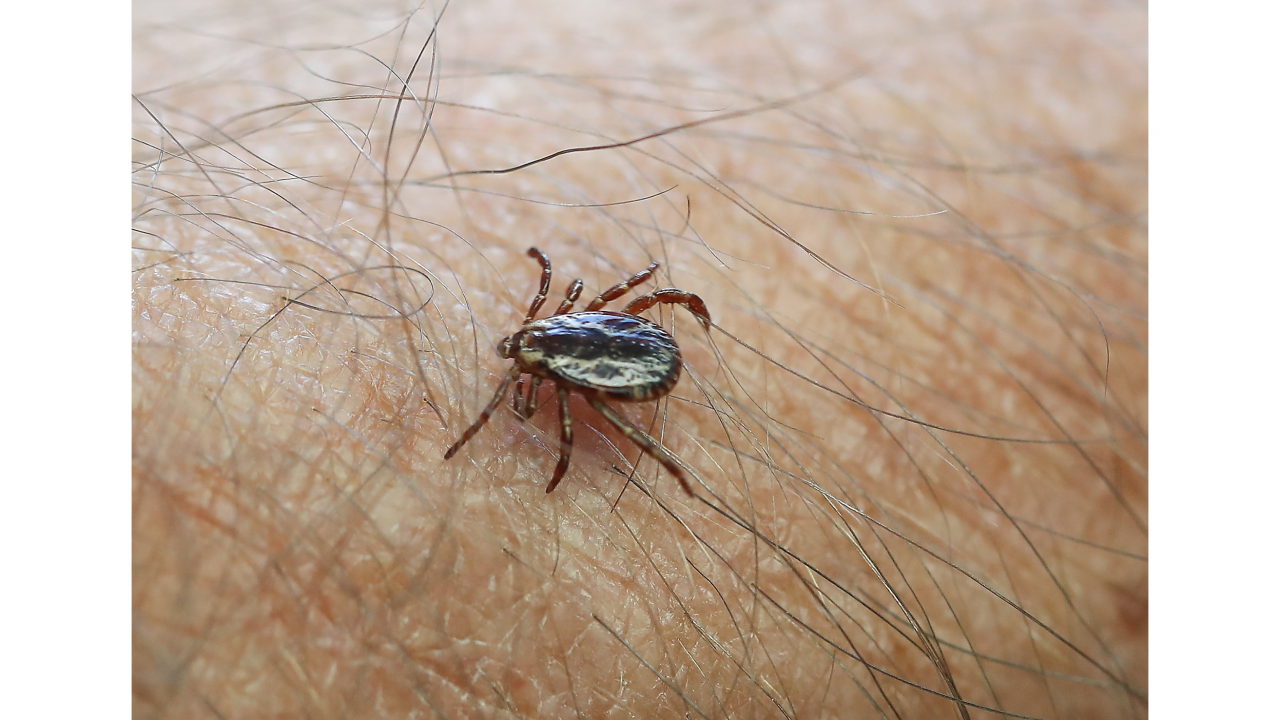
(599, 354)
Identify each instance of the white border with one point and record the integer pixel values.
(1215, 356)
(65, 513)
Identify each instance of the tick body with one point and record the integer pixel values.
(622, 356)
(599, 354)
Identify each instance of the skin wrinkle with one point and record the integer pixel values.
(919, 454)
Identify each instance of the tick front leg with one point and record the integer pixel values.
(675, 297)
(644, 442)
(621, 288)
(526, 404)
(544, 287)
(566, 439)
(531, 403)
(484, 416)
(517, 399)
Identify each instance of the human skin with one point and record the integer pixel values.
(917, 427)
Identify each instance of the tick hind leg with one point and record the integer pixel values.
(484, 415)
(675, 297)
(566, 439)
(621, 288)
(646, 443)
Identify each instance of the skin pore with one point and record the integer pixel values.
(917, 426)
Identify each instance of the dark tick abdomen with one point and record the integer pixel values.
(623, 356)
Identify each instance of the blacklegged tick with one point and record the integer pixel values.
(599, 354)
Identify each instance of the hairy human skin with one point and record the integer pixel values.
(918, 423)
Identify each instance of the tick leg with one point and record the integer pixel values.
(484, 415)
(566, 440)
(517, 400)
(545, 286)
(618, 290)
(531, 403)
(570, 297)
(672, 296)
(644, 441)
(526, 404)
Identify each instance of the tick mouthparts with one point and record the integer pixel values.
(504, 347)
